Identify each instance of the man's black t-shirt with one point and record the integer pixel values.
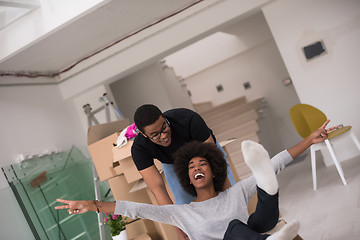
(186, 125)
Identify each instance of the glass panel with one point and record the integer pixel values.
(38, 182)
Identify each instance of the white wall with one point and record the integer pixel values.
(254, 66)
(227, 46)
(33, 119)
(329, 82)
(263, 68)
(230, 41)
(147, 86)
(175, 89)
(258, 62)
(48, 17)
(92, 97)
(13, 225)
(36, 118)
(155, 43)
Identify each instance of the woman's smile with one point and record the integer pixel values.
(199, 172)
(199, 176)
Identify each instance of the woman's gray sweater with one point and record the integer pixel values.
(209, 219)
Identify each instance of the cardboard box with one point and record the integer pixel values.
(122, 152)
(142, 229)
(100, 144)
(120, 189)
(143, 237)
(124, 163)
(135, 229)
(101, 138)
(100, 131)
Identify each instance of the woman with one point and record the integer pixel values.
(209, 215)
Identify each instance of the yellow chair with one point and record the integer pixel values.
(307, 119)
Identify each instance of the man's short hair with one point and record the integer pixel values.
(146, 115)
(211, 153)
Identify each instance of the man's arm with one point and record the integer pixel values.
(156, 184)
(210, 139)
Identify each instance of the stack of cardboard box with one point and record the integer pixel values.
(116, 166)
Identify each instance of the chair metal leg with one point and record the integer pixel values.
(337, 164)
(356, 141)
(313, 166)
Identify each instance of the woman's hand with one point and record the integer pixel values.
(317, 136)
(322, 133)
(75, 207)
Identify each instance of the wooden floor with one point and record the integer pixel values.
(330, 213)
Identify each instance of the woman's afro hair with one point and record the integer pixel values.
(211, 153)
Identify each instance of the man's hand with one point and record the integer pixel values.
(156, 185)
(322, 133)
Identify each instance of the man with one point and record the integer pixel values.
(161, 134)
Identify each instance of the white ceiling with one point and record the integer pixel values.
(90, 33)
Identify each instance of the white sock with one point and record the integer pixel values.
(287, 232)
(258, 160)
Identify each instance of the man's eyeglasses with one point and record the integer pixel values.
(165, 128)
